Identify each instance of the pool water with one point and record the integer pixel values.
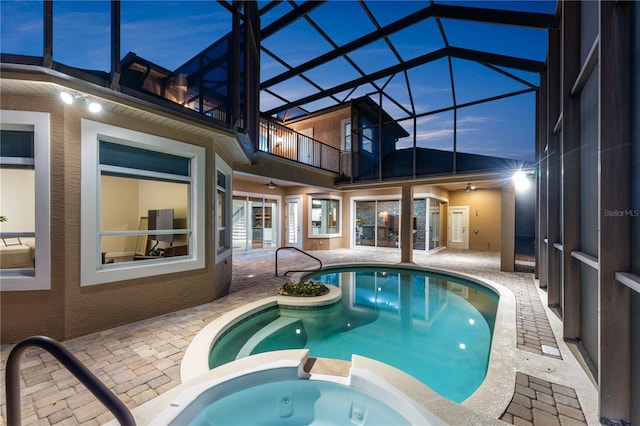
(298, 402)
(434, 327)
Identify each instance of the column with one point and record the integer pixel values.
(406, 224)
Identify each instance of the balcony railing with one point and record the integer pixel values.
(279, 140)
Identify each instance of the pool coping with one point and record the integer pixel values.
(491, 398)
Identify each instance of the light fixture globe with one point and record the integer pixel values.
(95, 107)
(521, 181)
(66, 98)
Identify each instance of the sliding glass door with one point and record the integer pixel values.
(377, 223)
(255, 223)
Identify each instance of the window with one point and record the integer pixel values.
(346, 135)
(325, 216)
(24, 201)
(142, 206)
(222, 210)
(369, 135)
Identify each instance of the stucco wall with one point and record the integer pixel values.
(68, 310)
(484, 216)
(40, 312)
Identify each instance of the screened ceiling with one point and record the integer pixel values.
(449, 72)
(464, 68)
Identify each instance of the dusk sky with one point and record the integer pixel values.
(169, 33)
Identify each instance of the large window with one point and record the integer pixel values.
(24, 201)
(325, 216)
(142, 206)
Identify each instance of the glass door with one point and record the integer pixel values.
(377, 223)
(270, 225)
(434, 223)
(388, 224)
(294, 225)
(239, 223)
(255, 223)
(419, 224)
(365, 223)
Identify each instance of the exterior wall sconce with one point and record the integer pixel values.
(69, 99)
(521, 181)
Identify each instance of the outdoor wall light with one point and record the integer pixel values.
(95, 107)
(521, 181)
(68, 99)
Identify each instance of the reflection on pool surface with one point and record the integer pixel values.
(434, 327)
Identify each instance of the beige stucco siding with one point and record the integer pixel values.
(68, 310)
(484, 216)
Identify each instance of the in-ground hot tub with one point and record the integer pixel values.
(281, 392)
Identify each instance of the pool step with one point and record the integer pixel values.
(265, 332)
(331, 367)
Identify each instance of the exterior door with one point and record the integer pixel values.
(294, 223)
(458, 227)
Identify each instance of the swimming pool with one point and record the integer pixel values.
(435, 327)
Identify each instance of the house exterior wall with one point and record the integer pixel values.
(326, 127)
(68, 309)
(484, 215)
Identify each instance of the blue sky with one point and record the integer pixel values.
(171, 32)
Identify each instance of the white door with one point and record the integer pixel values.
(458, 227)
(293, 218)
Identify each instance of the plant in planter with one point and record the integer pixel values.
(303, 289)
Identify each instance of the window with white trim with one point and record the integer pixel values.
(222, 213)
(325, 214)
(142, 206)
(25, 243)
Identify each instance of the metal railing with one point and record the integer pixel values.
(281, 141)
(75, 367)
(300, 270)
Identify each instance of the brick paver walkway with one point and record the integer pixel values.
(141, 360)
(539, 402)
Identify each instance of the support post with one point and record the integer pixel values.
(115, 45)
(614, 378)
(406, 226)
(553, 178)
(570, 157)
(47, 54)
(508, 227)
